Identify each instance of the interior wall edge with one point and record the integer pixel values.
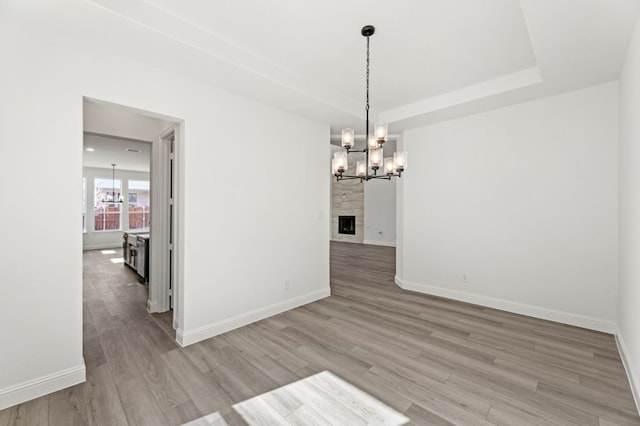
(568, 318)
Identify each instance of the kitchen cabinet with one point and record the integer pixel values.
(136, 253)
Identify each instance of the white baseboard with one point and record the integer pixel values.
(632, 373)
(345, 241)
(380, 243)
(44, 385)
(102, 246)
(188, 337)
(577, 320)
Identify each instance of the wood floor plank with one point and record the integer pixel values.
(4, 417)
(201, 356)
(202, 389)
(436, 360)
(280, 352)
(421, 416)
(94, 355)
(31, 413)
(349, 396)
(504, 394)
(589, 405)
(103, 403)
(68, 406)
(182, 413)
(257, 411)
(232, 418)
(238, 377)
(138, 403)
(508, 417)
(275, 370)
(119, 359)
(453, 411)
(616, 386)
(307, 416)
(165, 388)
(160, 340)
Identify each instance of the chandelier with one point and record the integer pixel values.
(111, 198)
(374, 157)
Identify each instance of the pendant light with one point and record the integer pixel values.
(374, 154)
(113, 187)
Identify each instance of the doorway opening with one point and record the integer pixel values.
(130, 213)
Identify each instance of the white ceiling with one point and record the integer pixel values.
(108, 150)
(431, 60)
(415, 53)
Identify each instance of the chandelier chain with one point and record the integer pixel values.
(367, 75)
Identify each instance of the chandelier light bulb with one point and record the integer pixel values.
(348, 138)
(375, 158)
(342, 163)
(334, 167)
(373, 142)
(388, 166)
(361, 169)
(400, 160)
(381, 133)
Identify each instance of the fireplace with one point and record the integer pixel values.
(347, 225)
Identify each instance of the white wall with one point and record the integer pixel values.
(380, 207)
(92, 240)
(247, 225)
(628, 332)
(523, 200)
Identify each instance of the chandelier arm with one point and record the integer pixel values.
(350, 151)
(347, 177)
(399, 174)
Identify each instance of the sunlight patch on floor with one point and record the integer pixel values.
(319, 399)
(108, 251)
(117, 260)
(213, 419)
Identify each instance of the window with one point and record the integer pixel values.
(139, 204)
(106, 206)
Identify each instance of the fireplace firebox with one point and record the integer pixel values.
(347, 225)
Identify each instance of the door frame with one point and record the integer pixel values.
(163, 268)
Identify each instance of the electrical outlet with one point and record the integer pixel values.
(465, 278)
(287, 284)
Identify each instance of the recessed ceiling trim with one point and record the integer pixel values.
(506, 83)
(189, 34)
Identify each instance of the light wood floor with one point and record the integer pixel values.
(437, 361)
